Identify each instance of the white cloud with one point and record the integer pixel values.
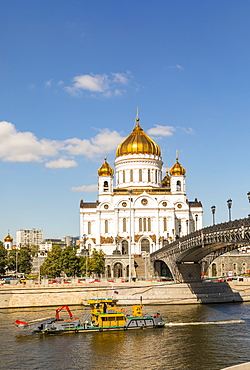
(187, 130)
(61, 163)
(48, 83)
(120, 78)
(26, 147)
(176, 66)
(99, 84)
(86, 188)
(23, 146)
(95, 146)
(159, 130)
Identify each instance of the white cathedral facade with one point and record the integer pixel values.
(144, 209)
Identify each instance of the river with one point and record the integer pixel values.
(202, 337)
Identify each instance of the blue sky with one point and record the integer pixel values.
(71, 76)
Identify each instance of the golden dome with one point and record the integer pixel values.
(105, 169)
(166, 181)
(177, 169)
(8, 238)
(138, 142)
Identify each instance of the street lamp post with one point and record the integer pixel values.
(130, 235)
(248, 196)
(213, 208)
(229, 204)
(16, 262)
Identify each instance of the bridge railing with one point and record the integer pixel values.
(232, 231)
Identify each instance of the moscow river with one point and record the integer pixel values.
(202, 337)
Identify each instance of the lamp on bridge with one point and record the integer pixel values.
(229, 204)
(213, 208)
(248, 195)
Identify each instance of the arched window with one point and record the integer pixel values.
(149, 176)
(124, 224)
(123, 175)
(105, 186)
(223, 269)
(243, 268)
(149, 224)
(106, 226)
(144, 224)
(131, 176)
(140, 224)
(156, 176)
(124, 247)
(145, 246)
(178, 186)
(165, 224)
(89, 227)
(235, 269)
(140, 175)
(89, 248)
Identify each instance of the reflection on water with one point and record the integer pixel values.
(202, 337)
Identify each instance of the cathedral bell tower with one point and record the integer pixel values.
(105, 179)
(178, 183)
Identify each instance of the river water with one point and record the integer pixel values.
(202, 337)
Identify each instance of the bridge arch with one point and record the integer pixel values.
(162, 269)
(189, 256)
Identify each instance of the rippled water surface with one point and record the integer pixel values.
(202, 337)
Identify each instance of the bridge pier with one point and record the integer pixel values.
(188, 272)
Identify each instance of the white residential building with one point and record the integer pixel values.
(28, 237)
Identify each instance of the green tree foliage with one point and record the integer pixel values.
(24, 260)
(34, 250)
(52, 265)
(70, 262)
(11, 261)
(3, 259)
(20, 259)
(96, 264)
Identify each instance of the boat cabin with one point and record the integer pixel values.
(105, 313)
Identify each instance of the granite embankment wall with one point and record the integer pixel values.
(154, 294)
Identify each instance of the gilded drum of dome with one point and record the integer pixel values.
(138, 142)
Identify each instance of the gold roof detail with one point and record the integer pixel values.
(166, 181)
(8, 238)
(177, 169)
(138, 142)
(105, 169)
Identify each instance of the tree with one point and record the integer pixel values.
(20, 260)
(70, 262)
(3, 259)
(96, 263)
(34, 250)
(52, 264)
(12, 261)
(24, 260)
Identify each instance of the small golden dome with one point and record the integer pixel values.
(138, 142)
(166, 181)
(105, 169)
(177, 169)
(8, 238)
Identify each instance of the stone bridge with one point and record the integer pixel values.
(188, 257)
